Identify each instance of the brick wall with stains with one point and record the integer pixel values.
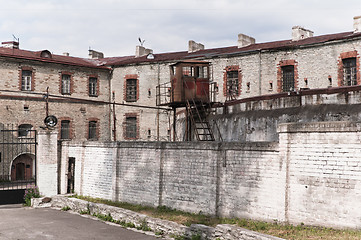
(29, 107)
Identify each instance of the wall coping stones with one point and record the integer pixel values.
(221, 231)
(264, 146)
(341, 126)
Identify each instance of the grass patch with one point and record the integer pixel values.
(66, 208)
(299, 232)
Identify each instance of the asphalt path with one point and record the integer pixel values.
(18, 223)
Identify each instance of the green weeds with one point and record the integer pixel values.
(286, 231)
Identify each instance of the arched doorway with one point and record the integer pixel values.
(22, 168)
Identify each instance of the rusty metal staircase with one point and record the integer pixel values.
(198, 114)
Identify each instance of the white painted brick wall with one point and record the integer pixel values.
(47, 163)
(312, 176)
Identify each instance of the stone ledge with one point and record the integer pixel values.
(221, 231)
(341, 126)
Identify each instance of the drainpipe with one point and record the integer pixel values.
(158, 78)
(259, 73)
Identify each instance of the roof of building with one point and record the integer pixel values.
(214, 52)
(46, 56)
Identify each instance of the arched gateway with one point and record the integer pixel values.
(17, 163)
(22, 167)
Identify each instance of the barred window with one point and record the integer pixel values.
(288, 78)
(232, 84)
(349, 72)
(24, 129)
(26, 76)
(65, 129)
(93, 86)
(65, 83)
(92, 133)
(131, 127)
(131, 90)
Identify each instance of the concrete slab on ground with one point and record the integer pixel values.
(20, 223)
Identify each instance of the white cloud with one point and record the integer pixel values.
(113, 26)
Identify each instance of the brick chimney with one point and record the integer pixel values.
(95, 55)
(12, 44)
(299, 33)
(141, 51)
(244, 40)
(194, 47)
(357, 24)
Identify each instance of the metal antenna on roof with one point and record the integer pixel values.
(16, 39)
(141, 41)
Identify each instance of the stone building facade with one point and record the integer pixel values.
(82, 91)
(241, 72)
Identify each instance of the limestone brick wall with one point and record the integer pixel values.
(311, 176)
(323, 173)
(188, 176)
(316, 66)
(29, 107)
(153, 125)
(257, 120)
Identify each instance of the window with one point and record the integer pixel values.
(131, 127)
(349, 72)
(93, 86)
(92, 131)
(232, 84)
(288, 79)
(65, 83)
(188, 71)
(24, 129)
(26, 76)
(131, 90)
(65, 129)
(203, 72)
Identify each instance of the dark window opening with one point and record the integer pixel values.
(93, 86)
(349, 72)
(288, 79)
(92, 130)
(131, 127)
(65, 129)
(131, 90)
(232, 83)
(24, 129)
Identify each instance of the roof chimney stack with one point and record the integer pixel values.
(95, 55)
(12, 44)
(141, 51)
(244, 40)
(299, 33)
(194, 47)
(357, 24)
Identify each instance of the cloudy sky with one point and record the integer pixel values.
(113, 26)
